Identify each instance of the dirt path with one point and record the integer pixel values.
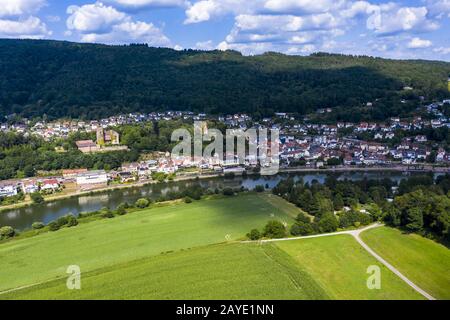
(356, 235)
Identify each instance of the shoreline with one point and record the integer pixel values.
(406, 169)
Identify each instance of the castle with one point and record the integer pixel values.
(107, 137)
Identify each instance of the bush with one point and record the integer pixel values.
(36, 197)
(254, 235)
(108, 215)
(142, 203)
(303, 218)
(62, 221)
(187, 200)
(6, 232)
(259, 188)
(37, 225)
(121, 210)
(274, 229)
(53, 226)
(228, 192)
(71, 221)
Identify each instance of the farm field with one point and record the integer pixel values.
(339, 264)
(224, 271)
(423, 261)
(134, 236)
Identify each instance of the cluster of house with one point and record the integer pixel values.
(62, 128)
(318, 143)
(319, 149)
(12, 188)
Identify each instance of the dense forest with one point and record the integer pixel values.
(418, 204)
(62, 79)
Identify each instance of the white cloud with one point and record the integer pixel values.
(442, 50)
(439, 8)
(404, 19)
(51, 18)
(417, 43)
(17, 20)
(205, 45)
(141, 4)
(104, 24)
(10, 8)
(94, 18)
(303, 6)
(129, 32)
(286, 23)
(31, 27)
(205, 10)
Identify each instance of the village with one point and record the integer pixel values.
(302, 145)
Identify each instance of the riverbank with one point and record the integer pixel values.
(191, 177)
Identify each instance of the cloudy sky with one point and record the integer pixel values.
(394, 29)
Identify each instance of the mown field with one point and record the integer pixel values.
(136, 235)
(339, 264)
(226, 271)
(423, 261)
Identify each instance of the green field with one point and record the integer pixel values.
(227, 271)
(136, 235)
(423, 261)
(176, 251)
(339, 264)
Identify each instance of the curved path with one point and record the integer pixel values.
(355, 234)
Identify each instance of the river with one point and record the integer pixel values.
(22, 218)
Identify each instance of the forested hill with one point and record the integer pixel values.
(61, 79)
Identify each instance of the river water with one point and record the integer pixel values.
(22, 218)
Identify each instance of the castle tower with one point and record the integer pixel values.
(100, 136)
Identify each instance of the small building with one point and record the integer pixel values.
(8, 190)
(50, 185)
(69, 174)
(86, 146)
(92, 179)
(126, 177)
(30, 187)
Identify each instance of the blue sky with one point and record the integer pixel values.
(392, 29)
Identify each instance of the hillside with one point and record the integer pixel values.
(85, 80)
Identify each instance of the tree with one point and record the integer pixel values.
(274, 229)
(37, 198)
(142, 203)
(254, 234)
(338, 202)
(414, 219)
(328, 223)
(301, 229)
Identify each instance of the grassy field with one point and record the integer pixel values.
(227, 271)
(140, 234)
(423, 261)
(339, 264)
